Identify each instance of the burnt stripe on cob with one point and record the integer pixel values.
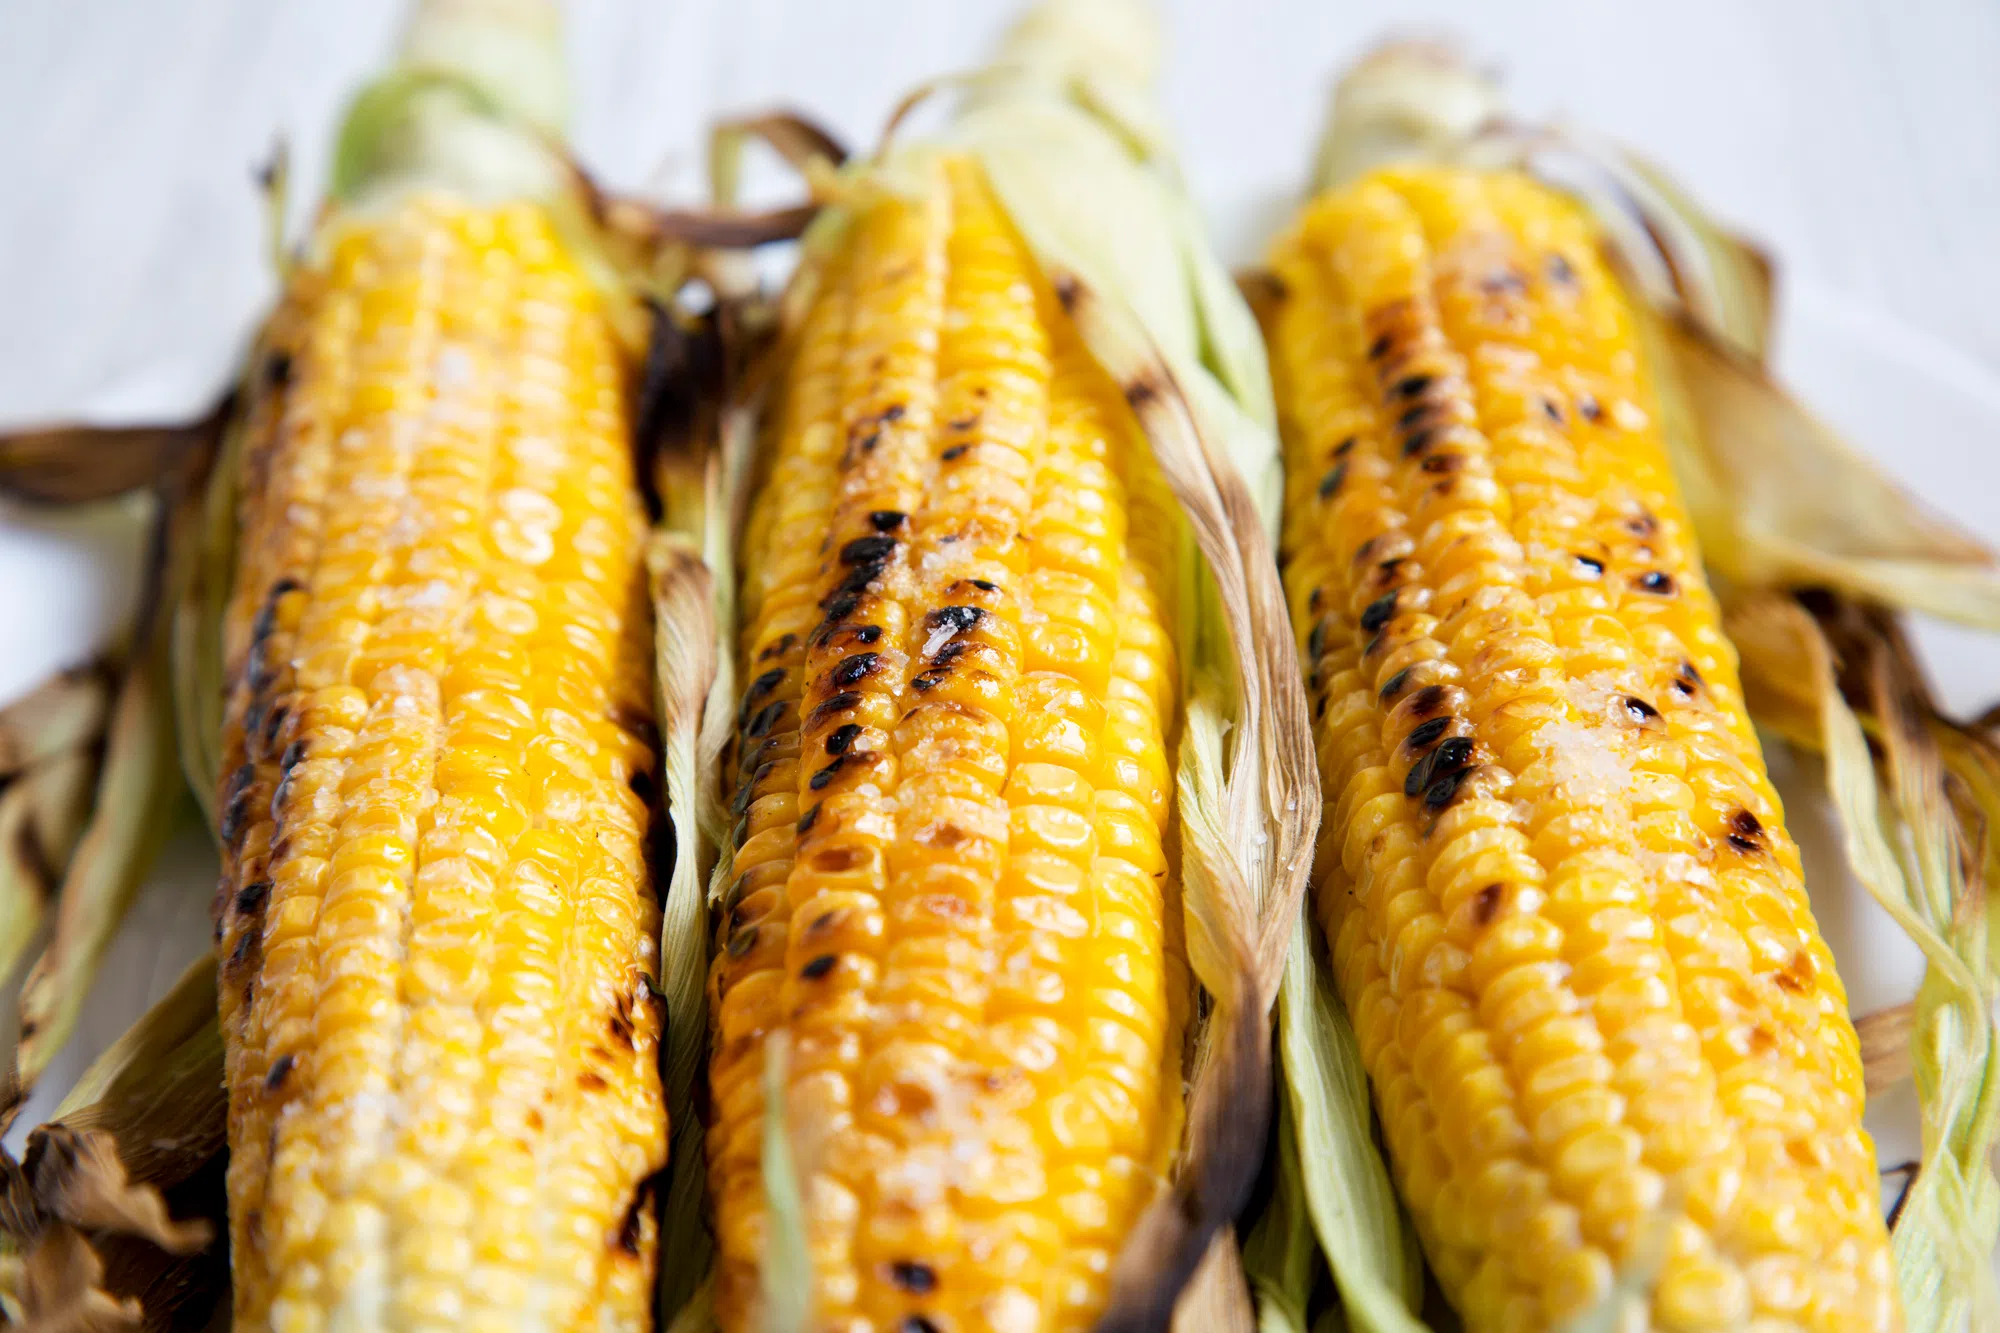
(1563, 909)
(950, 887)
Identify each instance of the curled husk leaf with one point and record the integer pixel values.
(137, 797)
(112, 1212)
(42, 814)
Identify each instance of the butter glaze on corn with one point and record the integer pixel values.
(1562, 906)
(950, 887)
(436, 916)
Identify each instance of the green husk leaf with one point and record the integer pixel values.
(64, 712)
(1279, 1255)
(200, 689)
(786, 1277)
(137, 798)
(1367, 1240)
(42, 814)
(475, 105)
(1779, 499)
(1913, 856)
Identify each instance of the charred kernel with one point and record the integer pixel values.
(1552, 411)
(957, 619)
(867, 550)
(1331, 481)
(1449, 757)
(1430, 699)
(948, 654)
(763, 685)
(766, 718)
(1486, 904)
(840, 606)
(927, 681)
(842, 737)
(835, 706)
(734, 893)
(818, 967)
(970, 421)
(1655, 582)
(1394, 685)
(278, 369)
(1559, 269)
(867, 633)
(740, 802)
(281, 1069)
(888, 520)
(1587, 408)
(293, 756)
(913, 1277)
(1418, 442)
(1375, 644)
(742, 942)
(916, 1323)
(985, 585)
(1591, 566)
(783, 644)
(806, 821)
(1316, 641)
(1380, 347)
(1443, 464)
(854, 669)
(1411, 386)
(953, 454)
(1442, 792)
(234, 816)
(1314, 598)
(819, 780)
(1414, 416)
(1745, 833)
(1346, 446)
(251, 897)
(274, 722)
(1642, 523)
(1640, 711)
(1687, 680)
(1426, 732)
(1378, 612)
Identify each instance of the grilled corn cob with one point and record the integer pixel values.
(950, 891)
(1602, 1028)
(436, 919)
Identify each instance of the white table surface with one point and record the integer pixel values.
(1859, 138)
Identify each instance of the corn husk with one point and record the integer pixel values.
(1780, 503)
(105, 1222)
(137, 798)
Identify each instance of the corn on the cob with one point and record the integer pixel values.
(950, 887)
(436, 918)
(1563, 912)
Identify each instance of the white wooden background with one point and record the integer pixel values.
(1859, 138)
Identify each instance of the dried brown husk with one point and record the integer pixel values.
(65, 712)
(42, 815)
(76, 464)
(112, 1216)
(138, 794)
